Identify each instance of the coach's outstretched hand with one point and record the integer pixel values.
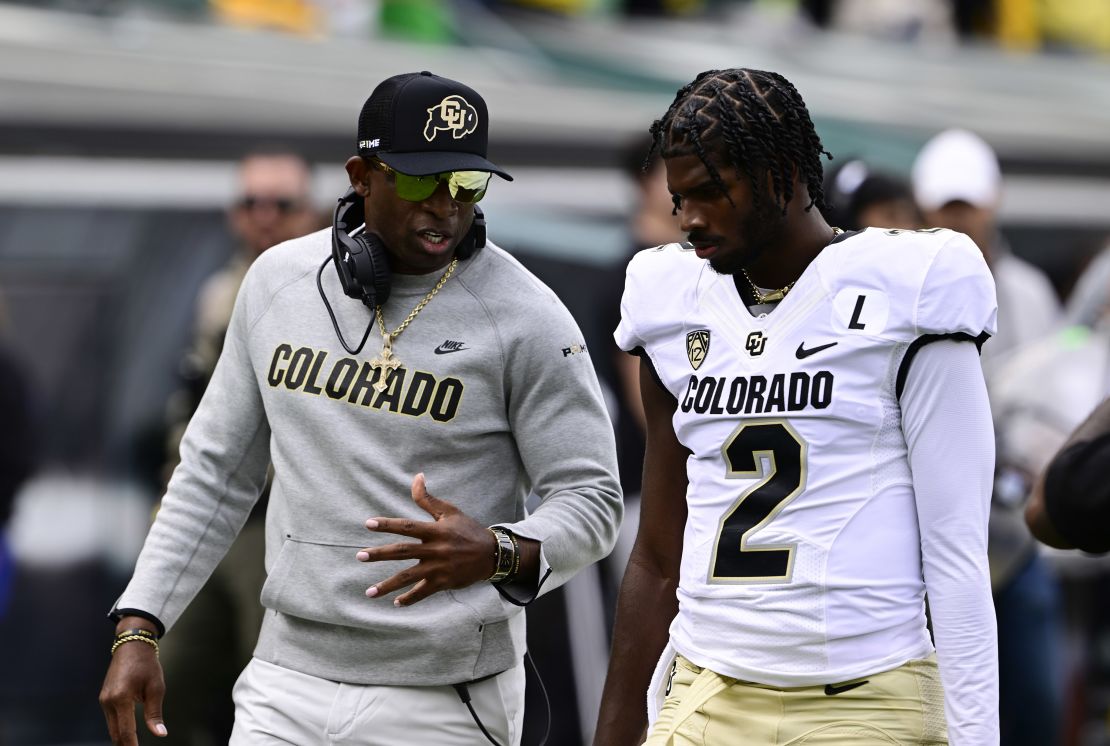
(135, 675)
(454, 550)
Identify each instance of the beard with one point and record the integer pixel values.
(759, 231)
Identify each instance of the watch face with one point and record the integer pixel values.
(508, 556)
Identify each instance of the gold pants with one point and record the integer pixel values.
(903, 706)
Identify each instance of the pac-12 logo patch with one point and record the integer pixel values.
(755, 344)
(697, 347)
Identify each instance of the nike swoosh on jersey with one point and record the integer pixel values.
(834, 690)
(441, 350)
(802, 353)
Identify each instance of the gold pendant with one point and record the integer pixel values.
(386, 362)
(772, 296)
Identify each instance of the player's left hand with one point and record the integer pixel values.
(453, 551)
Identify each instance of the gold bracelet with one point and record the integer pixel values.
(121, 639)
(138, 631)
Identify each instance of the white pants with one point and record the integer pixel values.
(275, 705)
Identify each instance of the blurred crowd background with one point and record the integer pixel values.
(127, 215)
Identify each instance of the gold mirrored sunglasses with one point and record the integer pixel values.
(463, 186)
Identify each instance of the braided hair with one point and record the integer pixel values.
(753, 119)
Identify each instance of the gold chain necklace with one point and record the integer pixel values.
(386, 362)
(770, 296)
(774, 295)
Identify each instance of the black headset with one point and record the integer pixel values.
(361, 258)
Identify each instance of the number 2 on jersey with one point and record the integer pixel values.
(744, 452)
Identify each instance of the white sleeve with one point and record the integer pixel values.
(947, 422)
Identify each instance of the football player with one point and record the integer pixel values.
(819, 456)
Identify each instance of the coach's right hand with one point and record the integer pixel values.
(134, 675)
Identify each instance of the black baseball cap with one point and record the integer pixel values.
(420, 124)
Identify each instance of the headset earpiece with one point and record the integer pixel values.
(475, 237)
(361, 259)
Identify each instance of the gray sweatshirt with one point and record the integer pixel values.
(496, 398)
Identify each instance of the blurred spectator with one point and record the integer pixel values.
(858, 197)
(1082, 25)
(297, 16)
(418, 20)
(662, 7)
(17, 450)
(213, 641)
(568, 7)
(1068, 25)
(1042, 393)
(354, 18)
(898, 20)
(1025, 25)
(651, 222)
(973, 18)
(957, 183)
(18, 459)
(1089, 299)
(274, 205)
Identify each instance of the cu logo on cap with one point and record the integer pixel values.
(453, 113)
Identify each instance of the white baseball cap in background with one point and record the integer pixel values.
(956, 165)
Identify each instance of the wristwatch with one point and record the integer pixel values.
(508, 555)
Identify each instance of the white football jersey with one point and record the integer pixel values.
(801, 560)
